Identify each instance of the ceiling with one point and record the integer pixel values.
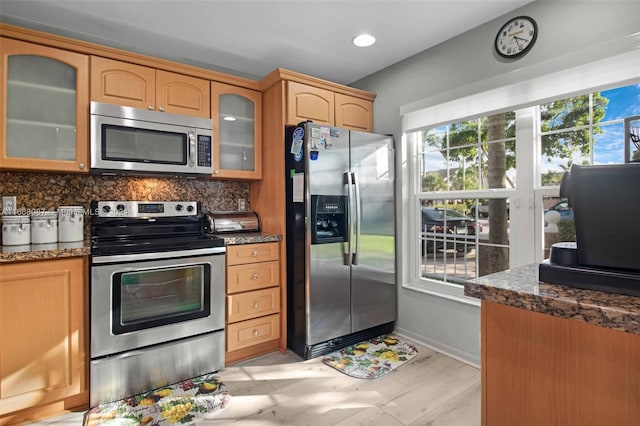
(251, 38)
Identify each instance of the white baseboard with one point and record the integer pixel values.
(454, 353)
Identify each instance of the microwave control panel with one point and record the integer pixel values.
(204, 151)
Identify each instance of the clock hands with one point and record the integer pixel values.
(517, 42)
(516, 38)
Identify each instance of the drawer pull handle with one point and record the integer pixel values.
(256, 333)
(254, 277)
(255, 253)
(256, 306)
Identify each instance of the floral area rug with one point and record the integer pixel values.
(185, 402)
(372, 358)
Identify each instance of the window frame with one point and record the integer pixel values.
(526, 222)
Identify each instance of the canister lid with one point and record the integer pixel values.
(15, 219)
(43, 215)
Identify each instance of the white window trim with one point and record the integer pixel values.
(599, 75)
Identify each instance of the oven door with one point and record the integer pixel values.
(152, 298)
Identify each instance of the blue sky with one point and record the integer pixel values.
(623, 102)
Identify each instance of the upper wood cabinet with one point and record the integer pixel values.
(353, 113)
(44, 112)
(137, 86)
(306, 102)
(237, 132)
(43, 355)
(324, 106)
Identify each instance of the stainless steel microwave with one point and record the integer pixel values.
(127, 140)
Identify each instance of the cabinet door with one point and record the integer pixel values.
(309, 103)
(121, 83)
(42, 355)
(181, 94)
(354, 113)
(237, 132)
(43, 117)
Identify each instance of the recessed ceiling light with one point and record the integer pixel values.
(364, 40)
(229, 118)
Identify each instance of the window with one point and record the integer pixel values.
(586, 129)
(456, 246)
(464, 155)
(465, 236)
(465, 183)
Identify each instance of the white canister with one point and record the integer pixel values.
(70, 223)
(16, 230)
(44, 227)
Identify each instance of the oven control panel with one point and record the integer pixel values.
(146, 209)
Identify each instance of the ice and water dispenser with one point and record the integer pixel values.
(328, 219)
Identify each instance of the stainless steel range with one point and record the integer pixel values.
(157, 297)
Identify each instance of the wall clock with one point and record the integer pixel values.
(516, 37)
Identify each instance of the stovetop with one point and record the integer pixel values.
(150, 245)
(132, 227)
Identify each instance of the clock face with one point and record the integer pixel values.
(516, 37)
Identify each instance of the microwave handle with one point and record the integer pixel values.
(192, 148)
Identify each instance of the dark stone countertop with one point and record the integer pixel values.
(44, 251)
(25, 253)
(248, 238)
(520, 288)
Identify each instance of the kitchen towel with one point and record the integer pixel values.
(186, 402)
(372, 358)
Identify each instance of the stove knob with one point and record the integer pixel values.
(179, 207)
(190, 208)
(106, 209)
(120, 207)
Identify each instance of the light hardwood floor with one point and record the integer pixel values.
(432, 389)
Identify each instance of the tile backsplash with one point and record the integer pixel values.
(44, 191)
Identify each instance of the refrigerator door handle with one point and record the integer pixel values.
(348, 255)
(356, 250)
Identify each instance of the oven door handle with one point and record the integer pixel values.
(156, 255)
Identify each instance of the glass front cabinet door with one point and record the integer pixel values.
(237, 145)
(44, 114)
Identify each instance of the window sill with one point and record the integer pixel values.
(444, 291)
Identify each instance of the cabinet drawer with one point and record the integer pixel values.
(248, 333)
(253, 304)
(251, 253)
(253, 276)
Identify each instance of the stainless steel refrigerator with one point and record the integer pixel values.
(341, 277)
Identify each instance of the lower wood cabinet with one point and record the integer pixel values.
(42, 327)
(538, 369)
(253, 300)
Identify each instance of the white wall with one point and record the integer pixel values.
(571, 33)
